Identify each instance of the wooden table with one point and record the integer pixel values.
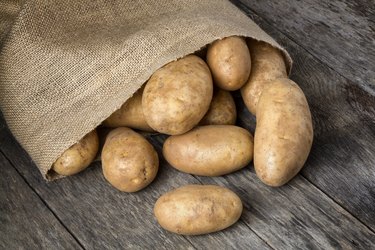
(329, 205)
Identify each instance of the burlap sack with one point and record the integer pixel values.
(66, 65)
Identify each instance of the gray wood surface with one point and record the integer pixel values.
(101, 217)
(342, 160)
(25, 221)
(341, 33)
(330, 205)
(297, 215)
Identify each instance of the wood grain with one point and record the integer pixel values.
(329, 206)
(340, 33)
(295, 216)
(341, 163)
(238, 236)
(25, 221)
(101, 217)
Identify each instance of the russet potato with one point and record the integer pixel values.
(222, 110)
(198, 209)
(129, 161)
(129, 115)
(211, 150)
(267, 63)
(283, 134)
(79, 156)
(178, 95)
(230, 62)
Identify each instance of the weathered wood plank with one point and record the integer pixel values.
(25, 222)
(341, 163)
(303, 218)
(295, 216)
(101, 217)
(341, 33)
(238, 236)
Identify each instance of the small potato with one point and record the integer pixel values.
(129, 161)
(210, 150)
(222, 110)
(283, 134)
(178, 95)
(198, 209)
(129, 115)
(79, 156)
(267, 63)
(230, 62)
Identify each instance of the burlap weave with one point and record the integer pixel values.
(66, 65)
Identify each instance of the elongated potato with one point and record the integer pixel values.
(283, 134)
(129, 115)
(222, 110)
(79, 156)
(267, 63)
(129, 161)
(230, 62)
(210, 150)
(178, 95)
(198, 209)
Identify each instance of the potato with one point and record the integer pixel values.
(222, 110)
(283, 134)
(178, 95)
(198, 209)
(267, 63)
(79, 156)
(210, 150)
(129, 115)
(229, 61)
(129, 161)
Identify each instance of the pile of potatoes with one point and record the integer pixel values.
(190, 100)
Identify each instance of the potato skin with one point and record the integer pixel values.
(129, 161)
(267, 63)
(79, 156)
(178, 95)
(222, 110)
(198, 209)
(210, 150)
(129, 115)
(230, 62)
(283, 134)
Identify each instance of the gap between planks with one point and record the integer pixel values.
(301, 174)
(337, 207)
(40, 198)
(159, 144)
(261, 238)
(255, 15)
(324, 193)
(369, 113)
(51, 210)
(347, 23)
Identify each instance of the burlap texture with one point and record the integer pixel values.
(67, 65)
